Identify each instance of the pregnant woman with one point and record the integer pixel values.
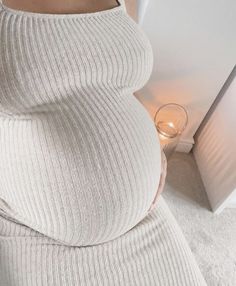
(80, 159)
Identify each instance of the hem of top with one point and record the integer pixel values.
(113, 10)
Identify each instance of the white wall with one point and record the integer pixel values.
(215, 150)
(194, 44)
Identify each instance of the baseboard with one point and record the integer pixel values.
(185, 146)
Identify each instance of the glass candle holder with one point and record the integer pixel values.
(170, 121)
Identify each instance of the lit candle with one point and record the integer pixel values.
(167, 135)
(167, 129)
(170, 121)
(171, 124)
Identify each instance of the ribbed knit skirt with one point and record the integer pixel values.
(153, 253)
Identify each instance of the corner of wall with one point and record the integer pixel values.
(185, 146)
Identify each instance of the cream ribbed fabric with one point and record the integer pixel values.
(79, 154)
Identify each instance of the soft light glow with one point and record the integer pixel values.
(167, 129)
(171, 124)
(170, 120)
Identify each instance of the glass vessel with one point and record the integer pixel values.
(170, 121)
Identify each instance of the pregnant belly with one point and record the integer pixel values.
(81, 175)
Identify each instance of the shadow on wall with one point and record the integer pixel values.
(184, 180)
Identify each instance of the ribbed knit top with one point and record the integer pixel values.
(79, 154)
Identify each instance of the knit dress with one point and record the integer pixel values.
(80, 157)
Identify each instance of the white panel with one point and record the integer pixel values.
(215, 151)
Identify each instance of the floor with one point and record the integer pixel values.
(211, 237)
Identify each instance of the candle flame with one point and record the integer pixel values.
(171, 124)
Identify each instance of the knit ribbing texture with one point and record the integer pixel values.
(79, 154)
